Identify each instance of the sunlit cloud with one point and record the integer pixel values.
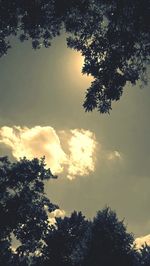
(82, 148)
(35, 142)
(140, 241)
(114, 155)
(77, 160)
(58, 213)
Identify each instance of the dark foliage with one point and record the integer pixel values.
(66, 243)
(113, 36)
(23, 207)
(110, 243)
(72, 241)
(145, 255)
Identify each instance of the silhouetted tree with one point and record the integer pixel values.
(77, 242)
(113, 36)
(72, 241)
(6, 256)
(110, 243)
(145, 256)
(23, 208)
(66, 243)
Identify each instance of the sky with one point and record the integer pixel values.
(100, 160)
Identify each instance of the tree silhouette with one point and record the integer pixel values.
(72, 241)
(66, 242)
(145, 255)
(113, 36)
(23, 208)
(110, 243)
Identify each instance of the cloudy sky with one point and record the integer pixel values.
(99, 159)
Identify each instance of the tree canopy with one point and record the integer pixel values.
(66, 243)
(145, 255)
(110, 243)
(72, 241)
(23, 207)
(113, 36)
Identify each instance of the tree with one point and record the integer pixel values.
(72, 241)
(110, 244)
(66, 243)
(113, 36)
(115, 40)
(145, 255)
(24, 208)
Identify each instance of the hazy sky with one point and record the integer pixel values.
(100, 159)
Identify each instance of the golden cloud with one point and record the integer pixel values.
(44, 141)
(82, 148)
(58, 213)
(140, 241)
(114, 155)
(35, 142)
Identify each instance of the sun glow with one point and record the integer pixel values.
(74, 65)
(79, 61)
